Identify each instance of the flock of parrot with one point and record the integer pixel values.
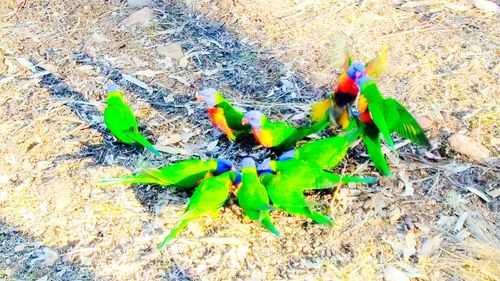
(356, 106)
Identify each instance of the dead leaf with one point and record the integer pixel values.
(460, 222)
(171, 149)
(469, 147)
(411, 244)
(430, 245)
(137, 82)
(487, 6)
(456, 7)
(494, 193)
(298, 116)
(139, 3)
(212, 145)
(393, 274)
(148, 73)
(143, 15)
(479, 193)
(172, 50)
(409, 190)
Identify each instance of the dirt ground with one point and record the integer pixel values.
(436, 219)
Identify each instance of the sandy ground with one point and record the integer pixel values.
(435, 220)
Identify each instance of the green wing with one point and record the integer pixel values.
(120, 120)
(286, 196)
(233, 116)
(378, 116)
(207, 199)
(326, 153)
(403, 122)
(371, 139)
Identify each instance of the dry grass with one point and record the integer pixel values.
(52, 150)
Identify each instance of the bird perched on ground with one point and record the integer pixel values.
(207, 199)
(121, 122)
(326, 153)
(309, 175)
(379, 115)
(344, 95)
(223, 115)
(184, 174)
(252, 196)
(288, 196)
(279, 135)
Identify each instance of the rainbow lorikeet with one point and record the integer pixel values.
(252, 196)
(279, 135)
(309, 175)
(287, 195)
(184, 174)
(346, 92)
(384, 115)
(223, 115)
(120, 120)
(207, 199)
(326, 153)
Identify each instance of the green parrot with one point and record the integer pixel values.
(326, 153)
(288, 196)
(184, 174)
(308, 175)
(223, 115)
(252, 196)
(120, 120)
(279, 135)
(379, 115)
(207, 199)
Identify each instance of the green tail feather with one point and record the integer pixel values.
(320, 218)
(147, 176)
(132, 179)
(265, 220)
(173, 233)
(375, 152)
(140, 139)
(359, 179)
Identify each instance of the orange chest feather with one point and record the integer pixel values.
(346, 85)
(263, 137)
(363, 110)
(218, 119)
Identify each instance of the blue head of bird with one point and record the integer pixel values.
(208, 96)
(237, 180)
(363, 79)
(113, 90)
(288, 155)
(223, 166)
(253, 118)
(265, 167)
(356, 69)
(247, 162)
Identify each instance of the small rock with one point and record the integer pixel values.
(430, 245)
(43, 278)
(139, 3)
(50, 256)
(469, 147)
(143, 15)
(19, 248)
(424, 122)
(173, 50)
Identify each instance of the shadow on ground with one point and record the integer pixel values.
(23, 258)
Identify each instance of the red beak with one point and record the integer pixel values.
(244, 121)
(200, 99)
